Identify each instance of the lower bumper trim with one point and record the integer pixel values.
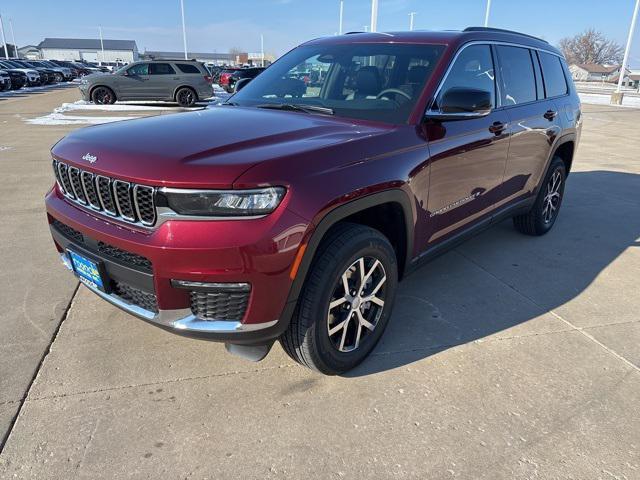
(181, 320)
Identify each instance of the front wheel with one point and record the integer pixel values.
(186, 97)
(103, 96)
(544, 212)
(346, 301)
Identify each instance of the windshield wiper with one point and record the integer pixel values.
(296, 107)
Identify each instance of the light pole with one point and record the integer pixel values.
(262, 48)
(184, 30)
(341, 16)
(374, 15)
(4, 41)
(486, 14)
(13, 39)
(101, 46)
(626, 51)
(411, 16)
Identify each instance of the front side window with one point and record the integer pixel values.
(473, 68)
(139, 69)
(554, 80)
(161, 69)
(380, 82)
(517, 75)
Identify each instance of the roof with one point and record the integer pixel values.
(87, 43)
(201, 56)
(445, 37)
(597, 68)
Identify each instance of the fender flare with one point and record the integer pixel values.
(336, 215)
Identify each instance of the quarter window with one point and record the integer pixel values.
(554, 80)
(472, 69)
(187, 68)
(516, 71)
(161, 69)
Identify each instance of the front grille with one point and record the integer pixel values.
(67, 231)
(219, 305)
(127, 258)
(128, 202)
(145, 300)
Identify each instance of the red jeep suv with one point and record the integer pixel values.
(292, 211)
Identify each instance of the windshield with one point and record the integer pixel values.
(379, 82)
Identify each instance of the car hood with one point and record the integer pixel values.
(205, 149)
(96, 76)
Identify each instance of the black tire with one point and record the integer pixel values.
(186, 97)
(542, 216)
(103, 96)
(308, 340)
(59, 77)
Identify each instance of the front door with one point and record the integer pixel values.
(133, 84)
(468, 157)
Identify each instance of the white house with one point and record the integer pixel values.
(593, 72)
(89, 49)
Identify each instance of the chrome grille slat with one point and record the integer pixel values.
(76, 185)
(88, 184)
(128, 202)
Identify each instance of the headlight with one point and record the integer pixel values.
(224, 203)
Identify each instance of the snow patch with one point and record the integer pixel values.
(119, 107)
(605, 99)
(57, 118)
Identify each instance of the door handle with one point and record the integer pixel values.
(550, 114)
(497, 128)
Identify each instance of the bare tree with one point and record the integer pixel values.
(591, 46)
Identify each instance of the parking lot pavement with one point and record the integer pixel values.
(508, 358)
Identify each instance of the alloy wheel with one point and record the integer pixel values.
(356, 303)
(552, 196)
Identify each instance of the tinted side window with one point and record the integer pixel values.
(516, 71)
(161, 69)
(140, 69)
(472, 69)
(187, 68)
(554, 80)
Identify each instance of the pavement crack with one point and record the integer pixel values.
(23, 400)
(161, 382)
(581, 330)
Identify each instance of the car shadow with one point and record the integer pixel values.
(501, 279)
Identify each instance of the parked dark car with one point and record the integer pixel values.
(18, 77)
(183, 81)
(225, 75)
(5, 81)
(249, 73)
(293, 211)
(76, 70)
(62, 73)
(47, 75)
(33, 77)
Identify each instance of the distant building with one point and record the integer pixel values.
(30, 52)
(630, 79)
(593, 72)
(210, 58)
(89, 49)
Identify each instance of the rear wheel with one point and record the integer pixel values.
(346, 301)
(103, 96)
(59, 77)
(542, 216)
(186, 97)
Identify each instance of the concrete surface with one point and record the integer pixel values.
(507, 358)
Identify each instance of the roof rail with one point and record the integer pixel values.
(501, 30)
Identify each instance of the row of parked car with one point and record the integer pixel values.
(18, 73)
(227, 77)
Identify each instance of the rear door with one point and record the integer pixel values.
(163, 79)
(532, 118)
(468, 157)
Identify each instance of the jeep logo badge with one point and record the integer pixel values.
(89, 158)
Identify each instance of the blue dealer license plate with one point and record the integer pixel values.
(88, 271)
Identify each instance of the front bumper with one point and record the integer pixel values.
(258, 252)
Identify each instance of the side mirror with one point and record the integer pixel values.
(240, 84)
(462, 103)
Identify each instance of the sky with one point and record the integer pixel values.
(217, 26)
